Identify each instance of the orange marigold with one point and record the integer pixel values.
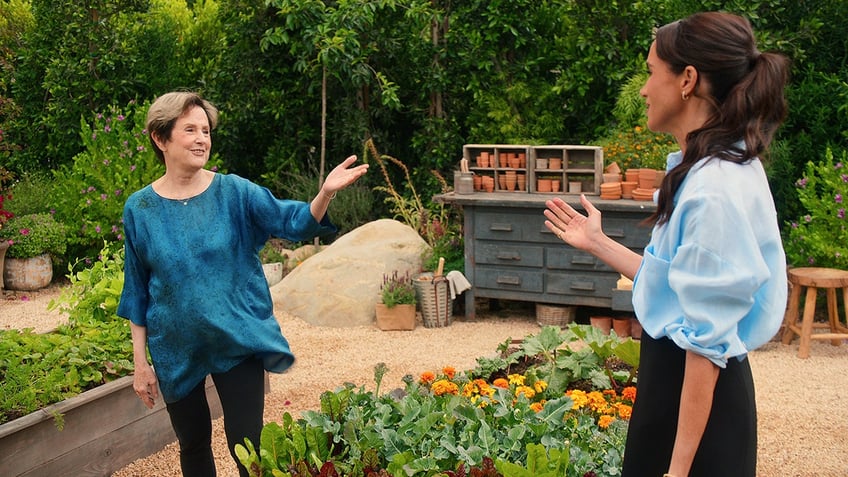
(605, 421)
(449, 371)
(629, 393)
(537, 406)
(443, 386)
(428, 377)
(624, 411)
(501, 383)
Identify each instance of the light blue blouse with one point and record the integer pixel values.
(192, 276)
(713, 278)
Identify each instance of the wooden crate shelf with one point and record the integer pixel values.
(569, 165)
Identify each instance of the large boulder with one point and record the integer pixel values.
(340, 285)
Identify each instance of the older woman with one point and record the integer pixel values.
(194, 290)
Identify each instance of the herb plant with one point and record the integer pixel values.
(34, 234)
(397, 290)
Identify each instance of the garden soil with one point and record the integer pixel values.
(802, 418)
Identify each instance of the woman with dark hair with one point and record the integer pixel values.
(711, 285)
(194, 289)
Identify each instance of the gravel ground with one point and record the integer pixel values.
(801, 418)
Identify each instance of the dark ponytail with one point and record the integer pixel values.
(744, 86)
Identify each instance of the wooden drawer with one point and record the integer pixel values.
(510, 226)
(518, 279)
(569, 258)
(627, 231)
(583, 284)
(499, 253)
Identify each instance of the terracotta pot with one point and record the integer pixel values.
(555, 163)
(398, 317)
(635, 329)
(510, 180)
(514, 162)
(555, 185)
(522, 159)
(647, 177)
(603, 323)
(521, 181)
(27, 274)
(659, 178)
(621, 326)
(611, 177)
(541, 163)
(631, 175)
(502, 181)
(478, 182)
(627, 189)
(543, 185)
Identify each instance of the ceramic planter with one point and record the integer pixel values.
(27, 274)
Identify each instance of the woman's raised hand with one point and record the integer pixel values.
(578, 230)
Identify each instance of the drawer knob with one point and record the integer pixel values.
(585, 286)
(507, 280)
(508, 256)
(497, 227)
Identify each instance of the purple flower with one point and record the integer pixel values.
(838, 165)
(844, 177)
(120, 117)
(105, 162)
(91, 189)
(841, 213)
(97, 229)
(139, 148)
(24, 231)
(838, 198)
(106, 128)
(118, 191)
(93, 136)
(132, 167)
(794, 225)
(808, 218)
(99, 116)
(103, 196)
(801, 182)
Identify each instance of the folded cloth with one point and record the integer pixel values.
(458, 283)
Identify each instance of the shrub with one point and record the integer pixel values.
(34, 234)
(820, 237)
(397, 290)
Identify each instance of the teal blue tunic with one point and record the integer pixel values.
(192, 276)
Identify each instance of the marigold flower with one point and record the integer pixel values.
(526, 391)
(605, 421)
(517, 379)
(501, 383)
(629, 393)
(427, 377)
(443, 386)
(540, 386)
(624, 411)
(579, 397)
(537, 406)
(449, 371)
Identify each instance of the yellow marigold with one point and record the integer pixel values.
(469, 390)
(540, 386)
(526, 391)
(597, 402)
(501, 383)
(449, 371)
(605, 421)
(517, 379)
(629, 393)
(579, 397)
(428, 377)
(485, 389)
(537, 406)
(443, 386)
(624, 411)
(637, 129)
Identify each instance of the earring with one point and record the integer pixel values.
(684, 96)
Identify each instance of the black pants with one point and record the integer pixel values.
(729, 445)
(242, 394)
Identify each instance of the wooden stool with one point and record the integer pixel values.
(813, 278)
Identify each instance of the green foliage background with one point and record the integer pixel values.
(418, 78)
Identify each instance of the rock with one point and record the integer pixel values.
(339, 286)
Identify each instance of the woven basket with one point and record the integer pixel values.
(549, 315)
(434, 299)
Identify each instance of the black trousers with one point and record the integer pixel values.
(242, 394)
(729, 444)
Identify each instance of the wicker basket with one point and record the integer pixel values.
(549, 315)
(434, 299)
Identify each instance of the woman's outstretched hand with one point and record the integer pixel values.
(578, 230)
(343, 175)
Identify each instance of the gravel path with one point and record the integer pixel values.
(802, 422)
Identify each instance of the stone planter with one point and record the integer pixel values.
(398, 317)
(27, 274)
(103, 430)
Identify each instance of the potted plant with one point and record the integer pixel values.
(5, 215)
(34, 241)
(396, 309)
